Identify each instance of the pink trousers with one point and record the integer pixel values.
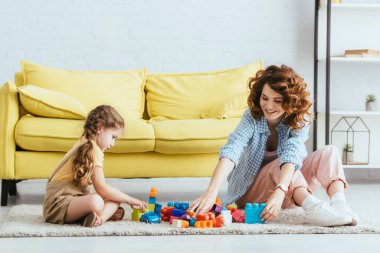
(320, 168)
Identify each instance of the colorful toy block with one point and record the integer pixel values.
(252, 213)
(178, 212)
(218, 202)
(150, 217)
(204, 224)
(136, 214)
(216, 209)
(166, 213)
(192, 222)
(152, 199)
(181, 205)
(227, 217)
(218, 222)
(238, 215)
(181, 223)
(158, 208)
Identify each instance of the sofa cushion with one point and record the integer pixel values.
(123, 90)
(192, 136)
(189, 95)
(51, 104)
(232, 108)
(50, 134)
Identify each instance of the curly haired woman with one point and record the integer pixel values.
(264, 157)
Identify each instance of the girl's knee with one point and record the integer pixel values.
(96, 203)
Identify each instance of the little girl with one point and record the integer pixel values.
(68, 199)
(264, 157)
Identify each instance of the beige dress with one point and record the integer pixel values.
(60, 189)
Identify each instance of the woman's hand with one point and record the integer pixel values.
(204, 202)
(137, 203)
(273, 205)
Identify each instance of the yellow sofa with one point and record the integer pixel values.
(175, 123)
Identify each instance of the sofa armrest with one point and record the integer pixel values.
(9, 115)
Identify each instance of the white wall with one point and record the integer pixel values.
(164, 36)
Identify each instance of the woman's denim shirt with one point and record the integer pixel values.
(246, 146)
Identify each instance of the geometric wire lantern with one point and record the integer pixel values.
(350, 133)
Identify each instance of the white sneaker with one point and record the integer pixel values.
(326, 216)
(343, 208)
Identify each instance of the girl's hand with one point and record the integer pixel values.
(204, 202)
(137, 203)
(273, 205)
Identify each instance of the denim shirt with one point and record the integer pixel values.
(246, 146)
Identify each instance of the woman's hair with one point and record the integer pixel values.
(296, 102)
(102, 117)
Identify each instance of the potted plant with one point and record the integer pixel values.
(348, 154)
(370, 104)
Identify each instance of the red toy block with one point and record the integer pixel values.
(238, 215)
(219, 221)
(202, 217)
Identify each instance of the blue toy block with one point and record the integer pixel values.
(192, 222)
(152, 200)
(170, 204)
(157, 209)
(181, 205)
(178, 212)
(150, 217)
(252, 213)
(184, 206)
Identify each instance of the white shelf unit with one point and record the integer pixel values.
(339, 62)
(365, 166)
(353, 59)
(354, 6)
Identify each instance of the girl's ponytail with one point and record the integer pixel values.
(84, 164)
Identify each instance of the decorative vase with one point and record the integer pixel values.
(370, 106)
(348, 157)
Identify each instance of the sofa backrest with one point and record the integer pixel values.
(123, 90)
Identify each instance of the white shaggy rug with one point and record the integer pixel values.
(27, 221)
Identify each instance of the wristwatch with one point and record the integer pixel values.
(283, 187)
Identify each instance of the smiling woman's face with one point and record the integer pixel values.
(270, 103)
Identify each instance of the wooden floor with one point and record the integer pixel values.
(362, 197)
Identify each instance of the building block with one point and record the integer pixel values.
(150, 217)
(192, 222)
(216, 209)
(238, 215)
(178, 212)
(227, 217)
(166, 213)
(152, 199)
(181, 205)
(181, 223)
(136, 214)
(218, 202)
(153, 192)
(218, 222)
(151, 207)
(252, 213)
(158, 208)
(204, 224)
(170, 204)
